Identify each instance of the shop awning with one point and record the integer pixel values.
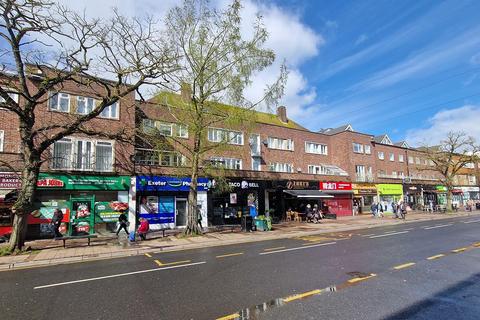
(338, 191)
(312, 194)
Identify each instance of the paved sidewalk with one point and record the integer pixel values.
(50, 252)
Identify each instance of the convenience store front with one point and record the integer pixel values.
(389, 194)
(89, 203)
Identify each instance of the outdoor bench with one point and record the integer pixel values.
(65, 238)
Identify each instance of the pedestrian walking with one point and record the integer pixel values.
(56, 222)
(403, 209)
(122, 223)
(143, 228)
(374, 208)
(380, 211)
(199, 218)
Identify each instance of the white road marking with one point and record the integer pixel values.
(439, 226)
(471, 221)
(368, 235)
(116, 275)
(298, 248)
(409, 228)
(388, 234)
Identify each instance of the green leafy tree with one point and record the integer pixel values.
(44, 47)
(216, 63)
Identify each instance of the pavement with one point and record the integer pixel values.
(51, 252)
(420, 269)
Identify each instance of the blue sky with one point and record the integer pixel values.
(407, 68)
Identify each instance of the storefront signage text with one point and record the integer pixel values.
(9, 181)
(156, 183)
(390, 189)
(334, 186)
(243, 184)
(293, 184)
(80, 182)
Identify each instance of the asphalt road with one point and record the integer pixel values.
(377, 273)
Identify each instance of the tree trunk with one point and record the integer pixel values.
(24, 203)
(192, 227)
(449, 200)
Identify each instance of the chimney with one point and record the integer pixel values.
(186, 92)
(282, 114)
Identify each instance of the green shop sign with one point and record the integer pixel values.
(48, 181)
(390, 189)
(441, 188)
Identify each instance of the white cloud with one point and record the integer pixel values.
(361, 39)
(465, 118)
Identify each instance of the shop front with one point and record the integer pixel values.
(364, 194)
(242, 197)
(90, 203)
(342, 202)
(413, 195)
(441, 195)
(163, 201)
(279, 199)
(389, 194)
(469, 193)
(9, 184)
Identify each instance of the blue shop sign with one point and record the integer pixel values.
(156, 183)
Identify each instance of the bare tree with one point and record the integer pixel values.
(48, 46)
(453, 154)
(217, 62)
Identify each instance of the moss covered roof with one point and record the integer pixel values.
(174, 99)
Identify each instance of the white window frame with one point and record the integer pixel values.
(59, 96)
(381, 155)
(109, 111)
(280, 167)
(316, 169)
(280, 144)
(228, 163)
(181, 130)
(359, 148)
(368, 149)
(12, 95)
(316, 148)
(260, 164)
(219, 135)
(411, 160)
(72, 158)
(166, 125)
(2, 140)
(86, 100)
(417, 160)
(391, 156)
(401, 158)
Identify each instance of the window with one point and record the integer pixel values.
(103, 156)
(254, 142)
(85, 155)
(228, 136)
(392, 157)
(60, 102)
(312, 147)
(146, 157)
(368, 149)
(417, 160)
(472, 180)
(2, 137)
(281, 144)
(400, 158)
(410, 160)
(227, 163)
(381, 155)
(357, 147)
(469, 165)
(110, 112)
(165, 129)
(256, 164)
(360, 170)
(181, 130)
(172, 159)
(12, 95)
(316, 169)
(394, 173)
(280, 167)
(148, 126)
(85, 105)
(400, 174)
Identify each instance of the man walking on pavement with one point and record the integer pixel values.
(122, 223)
(56, 221)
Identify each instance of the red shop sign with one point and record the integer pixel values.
(335, 186)
(54, 183)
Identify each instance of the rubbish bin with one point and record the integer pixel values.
(261, 224)
(247, 223)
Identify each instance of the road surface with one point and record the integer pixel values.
(424, 270)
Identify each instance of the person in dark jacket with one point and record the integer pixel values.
(56, 222)
(122, 223)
